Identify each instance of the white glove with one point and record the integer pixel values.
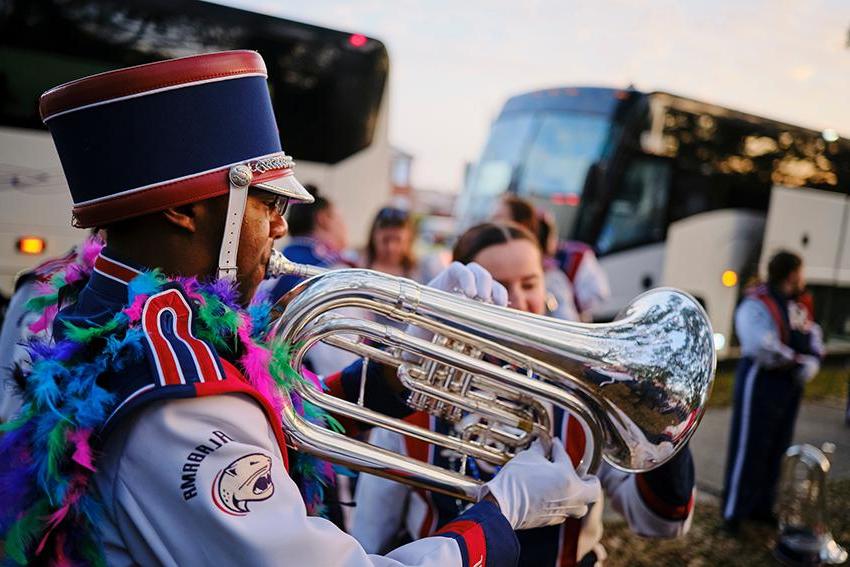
(471, 280)
(534, 492)
(808, 369)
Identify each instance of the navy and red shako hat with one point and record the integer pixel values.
(142, 139)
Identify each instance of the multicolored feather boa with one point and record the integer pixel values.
(49, 453)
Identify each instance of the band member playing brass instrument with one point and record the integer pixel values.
(658, 503)
(151, 426)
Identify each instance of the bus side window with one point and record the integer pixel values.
(638, 212)
(692, 194)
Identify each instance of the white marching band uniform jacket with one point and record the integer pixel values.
(150, 520)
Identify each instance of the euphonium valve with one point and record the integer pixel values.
(638, 385)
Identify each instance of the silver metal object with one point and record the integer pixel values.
(804, 537)
(638, 385)
(278, 161)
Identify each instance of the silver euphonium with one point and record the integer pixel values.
(638, 385)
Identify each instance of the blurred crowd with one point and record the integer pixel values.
(572, 283)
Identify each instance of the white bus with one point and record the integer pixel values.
(330, 91)
(672, 191)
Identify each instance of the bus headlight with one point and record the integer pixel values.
(719, 341)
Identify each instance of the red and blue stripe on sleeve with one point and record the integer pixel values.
(484, 536)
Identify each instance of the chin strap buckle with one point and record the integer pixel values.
(240, 177)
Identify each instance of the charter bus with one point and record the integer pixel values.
(329, 91)
(673, 191)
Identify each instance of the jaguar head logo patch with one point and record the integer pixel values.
(247, 479)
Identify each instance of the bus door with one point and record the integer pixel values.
(814, 224)
(630, 243)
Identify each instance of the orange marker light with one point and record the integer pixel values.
(31, 245)
(729, 278)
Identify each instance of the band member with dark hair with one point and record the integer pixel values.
(781, 349)
(656, 504)
(150, 431)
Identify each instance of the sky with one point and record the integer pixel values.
(454, 63)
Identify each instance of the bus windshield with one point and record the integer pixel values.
(543, 155)
(563, 149)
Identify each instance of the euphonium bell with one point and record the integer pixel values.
(638, 384)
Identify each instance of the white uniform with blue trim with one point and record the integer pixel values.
(781, 349)
(16, 330)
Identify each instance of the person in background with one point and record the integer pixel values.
(390, 246)
(318, 236)
(781, 349)
(655, 504)
(576, 282)
(16, 331)
(560, 300)
(590, 282)
(22, 323)
(511, 208)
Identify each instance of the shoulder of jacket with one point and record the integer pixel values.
(168, 322)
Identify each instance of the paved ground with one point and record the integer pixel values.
(818, 422)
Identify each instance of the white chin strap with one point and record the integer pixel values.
(240, 177)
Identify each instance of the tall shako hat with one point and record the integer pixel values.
(142, 139)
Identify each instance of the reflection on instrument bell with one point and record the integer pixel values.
(804, 537)
(637, 385)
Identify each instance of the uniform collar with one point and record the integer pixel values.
(111, 275)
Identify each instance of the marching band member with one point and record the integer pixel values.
(318, 235)
(590, 282)
(781, 348)
(150, 432)
(655, 504)
(574, 278)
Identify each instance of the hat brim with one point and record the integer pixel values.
(288, 186)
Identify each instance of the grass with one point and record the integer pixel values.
(831, 382)
(707, 544)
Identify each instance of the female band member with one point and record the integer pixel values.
(656, 504)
